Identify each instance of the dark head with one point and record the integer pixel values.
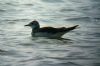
(34, 24)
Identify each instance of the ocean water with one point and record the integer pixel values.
(80, 47)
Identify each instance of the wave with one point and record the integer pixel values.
(2, 10)
(79, 19)
(53, 1)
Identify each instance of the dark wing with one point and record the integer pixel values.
(56, 30)
(48, 30)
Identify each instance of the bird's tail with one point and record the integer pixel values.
(71, 28)
(64, 30)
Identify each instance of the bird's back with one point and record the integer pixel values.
(53, 32)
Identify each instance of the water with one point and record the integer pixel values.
(80, 47)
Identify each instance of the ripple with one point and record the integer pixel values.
(2, 10)
(73, 58)
(28, 4)
(96, 34)
(15, 20)
(2, 50)
(78, 19)
(97, 18)
(96, 64)
(53, 1)
(32, 59)
(9, 3)
(66, 10)
(69, 64)
(44, 40)
(59, 64)
(84, 46)
(57, 50)
(27, 44)
(10, 53)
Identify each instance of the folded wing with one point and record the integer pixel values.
(57, 30)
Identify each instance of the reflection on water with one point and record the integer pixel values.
(77, 48)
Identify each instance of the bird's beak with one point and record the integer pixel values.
(27, 25)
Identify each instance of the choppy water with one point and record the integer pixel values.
(81, 47)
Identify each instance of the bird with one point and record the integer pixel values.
(50, 32)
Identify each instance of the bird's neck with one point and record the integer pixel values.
(35, 29)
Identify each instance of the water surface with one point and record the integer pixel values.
(80, 47)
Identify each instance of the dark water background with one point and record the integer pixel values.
(18, 48)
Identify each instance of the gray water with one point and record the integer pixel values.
(80, 47)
